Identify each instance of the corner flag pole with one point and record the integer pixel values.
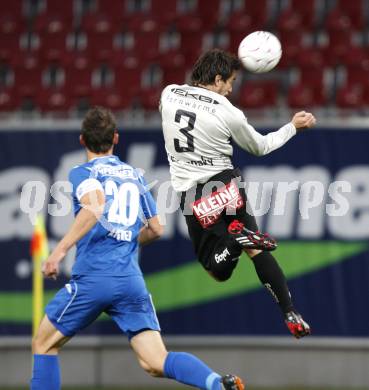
(39, 252)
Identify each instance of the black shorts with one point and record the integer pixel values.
(210, 207)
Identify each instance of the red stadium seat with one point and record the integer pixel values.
(14, 9)
(357, 80)
(189, 27)
(172, 59)
(240, 21)
(235, 38)
(10, 24)
(310, 57)
(191, 46)
(143, 22)
(290, 21)
(9, 46)
(258, 11)
(163, 10)
(355, 55)
(350, 96)
(52, 99)
(97, 23)
(339, 30)
(258, 94)
(51, 24)
(291, 31)
(64, 9)
(355, 10)
(303, 96)
(186, 23)
(9, 100)
(53, 32)
(338, 45)
(173, 65)
(209, 12)
(311, 64)
(306, 9)
(78, 75)
(100, 32)
(113, 98)
(27, 74)
(337, 20)
(366, 95)
(10, 35)
(358, 73)
(116, 9)
(146, 45)
(149, 98)
(174, 76)
(292, 44)
(128, 76)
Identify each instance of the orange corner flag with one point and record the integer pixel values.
(39, 253)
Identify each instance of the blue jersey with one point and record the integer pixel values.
(111, 247)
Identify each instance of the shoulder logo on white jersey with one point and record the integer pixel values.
(196, 96)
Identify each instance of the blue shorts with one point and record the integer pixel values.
(125, 299)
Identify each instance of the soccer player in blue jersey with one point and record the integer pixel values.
(114, 214)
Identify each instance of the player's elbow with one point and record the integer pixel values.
(259, 151)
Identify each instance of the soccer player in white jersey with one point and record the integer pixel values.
(114, 214)
(199, 124)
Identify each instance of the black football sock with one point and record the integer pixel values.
(272, 276)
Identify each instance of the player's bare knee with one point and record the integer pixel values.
(152, 368)
(35, 345)
(45, 346)
(39, 346)
(155, 372)
(222, 278)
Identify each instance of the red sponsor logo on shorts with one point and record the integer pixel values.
(208, 208)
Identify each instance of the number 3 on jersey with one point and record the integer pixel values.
(185, 131)
(125, 205)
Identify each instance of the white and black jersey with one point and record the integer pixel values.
(198, 127)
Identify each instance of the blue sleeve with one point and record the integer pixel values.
(148, 203)
(77, 175)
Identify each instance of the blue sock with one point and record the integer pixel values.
(188, 369)
(46, 373)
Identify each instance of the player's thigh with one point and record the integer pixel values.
(150, 351)
(244, 214)
(48, 339)
(79, 303)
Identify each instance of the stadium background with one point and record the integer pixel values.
(58, 58)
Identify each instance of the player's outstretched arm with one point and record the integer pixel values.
(92, 208)
(249, 139)
(151, 231)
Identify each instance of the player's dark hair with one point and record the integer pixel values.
(211, 63)
(98, 128)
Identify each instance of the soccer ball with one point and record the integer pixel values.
(260, 51)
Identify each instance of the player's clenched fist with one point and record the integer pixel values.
(50, 268)
(303, 119)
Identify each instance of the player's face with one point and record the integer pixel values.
(225, 87)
